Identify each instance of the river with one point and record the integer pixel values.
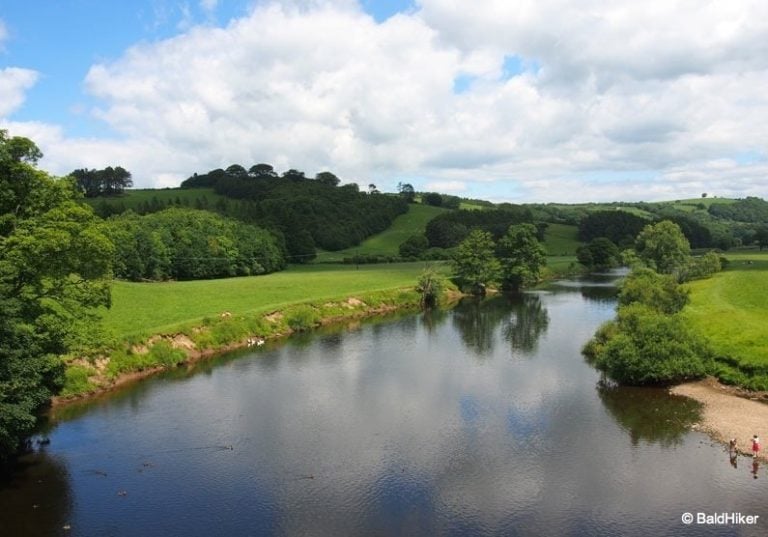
(481, 420)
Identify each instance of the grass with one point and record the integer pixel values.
(731, 309)
(142, 309)
(414, 222)
(561, 240)
(134, 197)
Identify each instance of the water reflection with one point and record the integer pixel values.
(38, 496)
(523, 320)
(649, 414)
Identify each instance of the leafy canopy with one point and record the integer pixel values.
(53, 263)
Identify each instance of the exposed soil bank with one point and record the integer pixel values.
(730, 412)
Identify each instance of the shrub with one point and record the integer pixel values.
(648, 347)
(302, 317)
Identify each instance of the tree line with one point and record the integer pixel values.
(189, 244)
(105, 182)
(308, 212)
(650, 342)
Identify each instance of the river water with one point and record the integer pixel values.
(481, 420)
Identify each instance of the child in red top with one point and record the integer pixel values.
(755, 446)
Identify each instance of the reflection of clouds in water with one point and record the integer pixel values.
(397, 429)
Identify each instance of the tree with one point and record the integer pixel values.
(53, 261)
(107, 182)
(663, 247)
(521, 257)
(647, 347)
(761, 237)
(327, 178)
(660, 292)
(262, 170)
(432, 198)
(475, 264)
(372, 189)
(600, 253)
(406, 191)
(236, 170)
(414, 246)
(294, 175)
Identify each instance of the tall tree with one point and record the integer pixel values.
(53, 261)
(521, 257)
(406, 191)
(663, 247)
(475, 264)
(327, 178)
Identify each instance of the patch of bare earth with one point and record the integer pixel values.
(728, 413)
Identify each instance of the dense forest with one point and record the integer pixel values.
(308, 212)
(189, 244)
(449, 229)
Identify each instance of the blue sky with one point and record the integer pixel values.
(547, 103)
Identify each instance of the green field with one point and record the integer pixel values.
(561, 240)
(142, 309)
(731, 309)
(414, 222)
(132, 198)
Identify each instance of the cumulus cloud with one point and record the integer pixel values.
(607, 100)
(14, 82)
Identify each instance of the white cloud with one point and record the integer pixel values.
(446, 186)
(626, 100)
(14, 82)
(209, 5)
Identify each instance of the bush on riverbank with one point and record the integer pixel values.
(645, 346)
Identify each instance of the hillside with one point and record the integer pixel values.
(386, 243)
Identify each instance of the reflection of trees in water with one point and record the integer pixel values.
(36, 498)
(650, 414)
(432, 318)
(522, 318)
(600, 294)
(526, 324)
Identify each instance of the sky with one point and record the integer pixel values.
(520, 101)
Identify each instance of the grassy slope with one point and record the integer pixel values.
(414, 222)
(561, 240)
(147, 308)
(731, 308)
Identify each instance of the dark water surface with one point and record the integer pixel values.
(483, 420)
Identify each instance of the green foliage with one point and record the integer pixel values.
(475, 263)
(163, 353)
(107, 182)
(701, 267)
(648, 347)
(521, 257)
(53, 258)
(659, 292)
(77, 380)
(189, 244)
(599, 254)
(561, 239)
(621, 227)
(761, 237)
(414, 246)
(450, 228)
(302, 317)
(750, 209)
(387, 243)
(430, 286)
(333, 217)
(663, 247)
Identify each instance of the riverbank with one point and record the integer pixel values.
(132, 359)
(729, 412)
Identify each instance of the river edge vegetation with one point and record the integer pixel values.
(58, 260)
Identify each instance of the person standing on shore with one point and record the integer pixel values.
(755, 446)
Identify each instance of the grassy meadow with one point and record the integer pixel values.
(731, 309)
(561, 240)
(141, 309)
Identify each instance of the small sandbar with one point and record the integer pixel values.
(728, 413)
